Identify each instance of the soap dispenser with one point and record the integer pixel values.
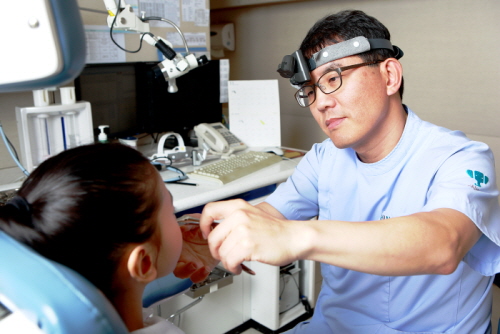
(103, 136)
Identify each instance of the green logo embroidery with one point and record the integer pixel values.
(478, 176)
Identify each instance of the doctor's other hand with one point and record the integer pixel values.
(195, 261)
(247, 233)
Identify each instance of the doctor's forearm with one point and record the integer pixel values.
(424, 243)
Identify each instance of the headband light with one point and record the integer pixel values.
(297, 68)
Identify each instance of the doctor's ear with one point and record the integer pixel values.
(141, 263)
(393, 71)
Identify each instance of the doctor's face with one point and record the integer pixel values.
(356, 114)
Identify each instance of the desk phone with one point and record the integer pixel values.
(218, 138)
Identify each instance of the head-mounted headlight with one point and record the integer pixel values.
(296, 68)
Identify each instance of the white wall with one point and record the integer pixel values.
(451, 70)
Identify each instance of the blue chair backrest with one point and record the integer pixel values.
(56, 298)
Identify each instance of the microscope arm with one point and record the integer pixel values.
(174, 65)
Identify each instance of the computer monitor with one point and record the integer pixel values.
(111, 91)
(128, 98)
(197, 100)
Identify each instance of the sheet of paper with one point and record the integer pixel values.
(254, 112)
(202, 17)
(224, 79)
(167, 9)
(196, 38)
(175, 39)
(195, 11)
(100, 47)
(193, 39)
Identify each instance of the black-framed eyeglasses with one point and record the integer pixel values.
(327, 83)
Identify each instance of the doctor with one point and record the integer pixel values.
(408, 217)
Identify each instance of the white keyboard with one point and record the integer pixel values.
(240, 165)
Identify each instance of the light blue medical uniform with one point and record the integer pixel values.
(431, 167)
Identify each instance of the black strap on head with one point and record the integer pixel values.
(398, 53)
(380, 43)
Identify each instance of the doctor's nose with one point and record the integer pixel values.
(324, 101)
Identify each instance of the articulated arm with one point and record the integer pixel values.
(122, 17)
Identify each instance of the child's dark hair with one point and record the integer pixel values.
(342, 26)
(82, 207)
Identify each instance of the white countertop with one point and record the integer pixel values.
(186, 197)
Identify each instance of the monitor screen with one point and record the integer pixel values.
(197, 100)
(128, 98)
(111, 91)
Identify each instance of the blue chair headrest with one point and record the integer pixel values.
(56, 297)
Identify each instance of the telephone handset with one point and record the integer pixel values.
(218, 138)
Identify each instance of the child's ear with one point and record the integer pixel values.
(141, 263)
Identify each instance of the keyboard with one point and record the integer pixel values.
(235, 167)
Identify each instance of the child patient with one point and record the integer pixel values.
(104, 211)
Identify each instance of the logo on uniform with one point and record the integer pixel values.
(479, 177)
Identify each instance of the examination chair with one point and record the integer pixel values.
(38, 295)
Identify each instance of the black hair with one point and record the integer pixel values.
(87, 204)
(342, 26)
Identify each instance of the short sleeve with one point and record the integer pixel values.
(466, 182)
(297, 198)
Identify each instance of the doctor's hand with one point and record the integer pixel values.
(195, 261)
(247, 233)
